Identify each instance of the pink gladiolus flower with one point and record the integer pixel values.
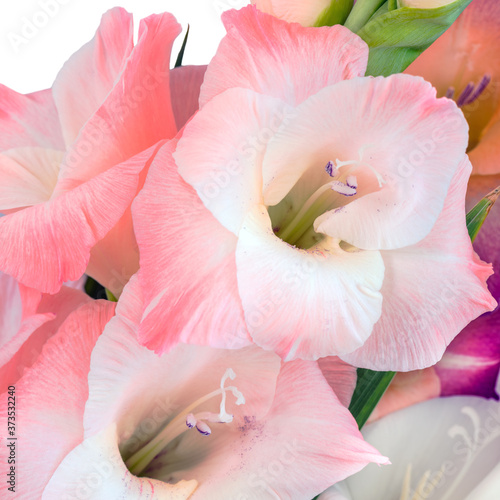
(464, 64)
(322, 209)
(74, 157)
(198, 421)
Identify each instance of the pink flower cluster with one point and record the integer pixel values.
(269, 223)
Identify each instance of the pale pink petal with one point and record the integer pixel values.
(187, 265)
(306, 442)
(47, 244)
(51, 397)
(136, 114)
(185, 83)
(399, 131)
(279, 59)
(29, 120)
(341, 377)
(306, 304)
(95, 469)
(431, 292)
(294, 11)
(29, 176)
(408, 388)
(220, 152)
(88, 76)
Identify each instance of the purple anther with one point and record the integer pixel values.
(450, 93)
(203, 428)
(330, 169)
(478, 90)
(190, 420)
(465, 94)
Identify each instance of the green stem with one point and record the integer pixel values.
(362, 11)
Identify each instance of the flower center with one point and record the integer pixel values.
(184, 421)
(293, 218)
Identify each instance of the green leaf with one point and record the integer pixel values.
(476, 217)
(335, 13)
(361, 13)
(180, 56)
(370, 387)
(397, 37)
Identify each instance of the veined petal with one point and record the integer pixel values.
(305, 304)
(220, 152)
(49, 243)
(89, 75)
(29, 120)
(46, 412)
(29, 176)
(396, 130)
(187, 265)
(431, 291)
(94, 469)
(137, 112)
(185, 83)
(273, 57)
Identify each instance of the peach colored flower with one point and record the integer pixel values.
(464, 64)
(316, 213)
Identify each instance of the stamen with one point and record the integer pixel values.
(330, 169)
(352, 182)
(485, 81)
(142, 458)
(344, 189)
(450, 93)
(465, 94)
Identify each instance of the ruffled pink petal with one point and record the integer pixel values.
(89, 75)
(29, 176)
(341, 377)
(431, 292)
(306, 442)
(94, 469)
(47, 244)
(185, 83)
(29, 120)
(294, 11)
(220, 152)
(51, 397)
(137, 112)
(305, 304)
(187, 265)
(282, 60)
(390, 125)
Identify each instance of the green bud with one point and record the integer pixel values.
(336, 13)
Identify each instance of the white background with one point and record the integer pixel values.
(33, 65)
